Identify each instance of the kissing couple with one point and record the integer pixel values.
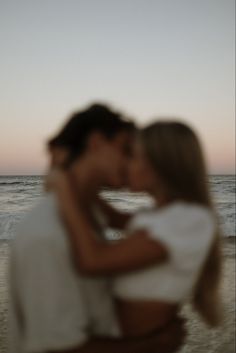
(72, 290)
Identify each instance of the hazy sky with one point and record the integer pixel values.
(149, 57)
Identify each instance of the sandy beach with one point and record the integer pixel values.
(200, 338)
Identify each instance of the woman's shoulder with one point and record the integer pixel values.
(185, 213)
(178, 218)
(178, 211)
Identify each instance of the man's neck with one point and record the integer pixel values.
(85, 181)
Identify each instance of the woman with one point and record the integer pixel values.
(172, 249)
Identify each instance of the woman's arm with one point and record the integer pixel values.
(93, 256)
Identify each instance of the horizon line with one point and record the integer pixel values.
(42, 175)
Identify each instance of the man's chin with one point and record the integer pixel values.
(134, 188)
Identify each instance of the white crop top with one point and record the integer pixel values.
(187, 232)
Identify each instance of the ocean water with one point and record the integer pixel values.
(20, 193)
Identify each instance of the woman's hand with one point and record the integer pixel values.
(59, 182)
(55, 179)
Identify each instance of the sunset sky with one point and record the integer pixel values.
(149, 58)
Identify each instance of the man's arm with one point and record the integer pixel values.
(167, 340)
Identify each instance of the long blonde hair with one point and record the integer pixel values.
(175, 153)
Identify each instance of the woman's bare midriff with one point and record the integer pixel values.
(139, 317)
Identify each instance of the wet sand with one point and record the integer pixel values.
(200, 339)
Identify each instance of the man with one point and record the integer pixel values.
(53, 308)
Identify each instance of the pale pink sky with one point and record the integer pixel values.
(149, 58)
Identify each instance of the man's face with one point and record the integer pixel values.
(111, 158)
(141, 174)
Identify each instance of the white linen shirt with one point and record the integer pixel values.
(52, 307)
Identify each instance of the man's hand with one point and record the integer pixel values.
(168, 340)
(172, 337)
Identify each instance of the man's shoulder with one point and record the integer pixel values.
(41, 221)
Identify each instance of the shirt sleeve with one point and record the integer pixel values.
(186, 230)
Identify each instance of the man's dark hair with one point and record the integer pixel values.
(97, 117)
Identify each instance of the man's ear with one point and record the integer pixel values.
(95, 141)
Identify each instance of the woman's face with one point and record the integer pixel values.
(141, 176)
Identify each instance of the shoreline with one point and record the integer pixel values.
(199, 339)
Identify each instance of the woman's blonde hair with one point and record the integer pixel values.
(175, 153)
